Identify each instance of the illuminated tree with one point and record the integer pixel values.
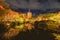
(4, 4)
(3, 8)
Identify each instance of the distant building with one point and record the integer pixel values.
(29, 15)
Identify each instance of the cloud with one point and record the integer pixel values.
(34, 4)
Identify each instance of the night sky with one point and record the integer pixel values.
(37, 6)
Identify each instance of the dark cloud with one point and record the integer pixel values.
(34, 4)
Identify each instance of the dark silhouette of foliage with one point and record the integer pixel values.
(40, 24)
(13, 24)
(2, 28)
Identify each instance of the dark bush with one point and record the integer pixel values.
(2, 28)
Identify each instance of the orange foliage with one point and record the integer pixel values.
(1, 7)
